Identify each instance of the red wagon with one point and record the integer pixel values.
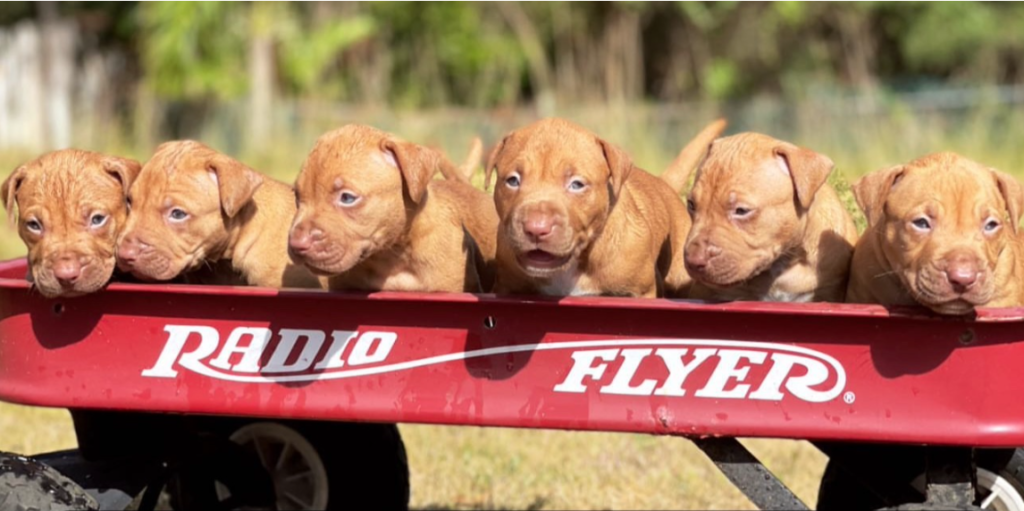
(248, 397)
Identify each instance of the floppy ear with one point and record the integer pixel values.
(808, 170)
(872, 190)
(9, 189)
(1013, 194)
(492, 160)
(416, 163)
(619, 163)
(236, 182)
(123, 169)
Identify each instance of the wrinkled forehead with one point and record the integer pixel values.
(180, 157)
(553, 149)
(955, 183)
(67, 182)
(340, 160)
(742, 164)
(186, 162)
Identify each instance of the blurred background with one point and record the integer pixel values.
(869, 84)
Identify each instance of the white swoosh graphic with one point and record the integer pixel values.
(465, 355)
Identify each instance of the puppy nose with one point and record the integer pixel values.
(301, 240)
(128, 249)
(697, 254)
(67, 269)
(303, 237)
(961, 272)
(538, 225)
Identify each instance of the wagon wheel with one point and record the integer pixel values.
(310, 465)
(28, 485)
(900, 481)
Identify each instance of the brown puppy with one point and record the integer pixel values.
(71, 207)
(942, 232)
(766, 226)
(192, 207)
(372, 218)
(578, 218)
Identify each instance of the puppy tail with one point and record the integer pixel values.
(473, 158)
(464, 171)
(678, 172)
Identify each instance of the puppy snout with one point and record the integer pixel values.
(303, 237)
(962, 272)
(541, 221)
(538, 226)
(67, 269)
(698, 254)
(129, 248)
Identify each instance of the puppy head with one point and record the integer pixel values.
(356, 194)
(71, 207)
(749, 205)
(182, 205)
(942, 221)
(556, 184)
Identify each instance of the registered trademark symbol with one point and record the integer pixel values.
(849, 398)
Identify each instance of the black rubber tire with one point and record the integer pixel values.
(841, 490)
(366, 464)
(28, 485)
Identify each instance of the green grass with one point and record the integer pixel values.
(498, 468)
(473, 468)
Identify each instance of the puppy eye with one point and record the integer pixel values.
(577, 185)
(512, 181)
(922, 224)
(991, 226)
(34, 226)
(691, 206)
(98, 220)
(178, 214)
(742, 212)
(348, 199)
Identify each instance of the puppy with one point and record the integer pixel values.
(372, 218)
(578, 218)
(192, 207)
(71, 207)
(943, 233)
(766, 225)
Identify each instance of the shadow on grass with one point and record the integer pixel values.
(538, 503)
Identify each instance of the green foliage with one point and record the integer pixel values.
(479, 54)
(307, 54)
(721, 79)
(194, 49)
(950, 32)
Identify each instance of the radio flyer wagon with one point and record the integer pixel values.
(260, 398)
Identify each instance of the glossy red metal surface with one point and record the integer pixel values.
(817, 371)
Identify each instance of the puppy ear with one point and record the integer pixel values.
(1013, 194)
(236, 183)
(808, 170)
(9, 189)
(871, 191)
(416, 163)
(619, 163)
(123, 169)
(492, 161)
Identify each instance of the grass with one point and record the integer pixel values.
(499, 468)
(474, 468)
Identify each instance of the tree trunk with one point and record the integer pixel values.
(261, 76)
(533, 46)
